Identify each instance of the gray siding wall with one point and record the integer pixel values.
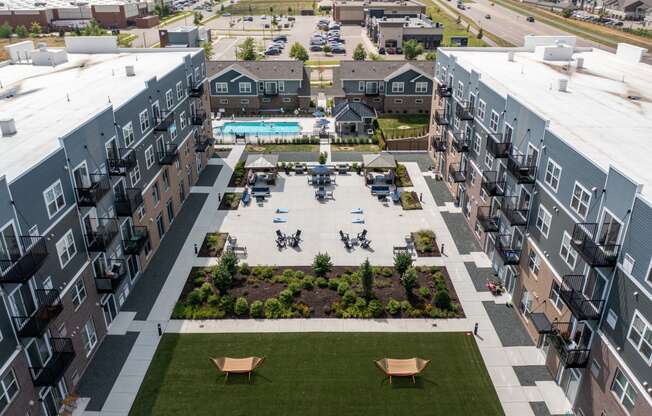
(409, 83)
(8, 344)
(637, 242)
(291, 87)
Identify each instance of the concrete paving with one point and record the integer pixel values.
(439, 191)
(209, 175)
(528, 375)
(464, 239)
(511, 331)
(479, 276)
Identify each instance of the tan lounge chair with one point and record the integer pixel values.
(402, 368)
(237, 365)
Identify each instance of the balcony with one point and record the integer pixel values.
(198, 119)
(442, 118)
(457, 172)
(92, 194)
(523, 168)
(491, 184)
(17, 265)
(163, 122)
(109, 281)
(128, 201)
(461, 143)
(168, 155)
(515, 213)
(570, 354)
(490, 222)
(51, 372)
(596, 254)
(49, 307)
(444, 91)
(100, 239)
(510, 255)
(439, 143)
(464, 111)
(135, 243)
(196, 91)
(581, 307)
(202, 143)
(371, 91)
(497, 147)
(121, 165)
(270, 91)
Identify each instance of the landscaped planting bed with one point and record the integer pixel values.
(238, 178)
(302, 292)
(410, 201)
(425, 243)
(402, 176)
(230, 201)
(213, 245)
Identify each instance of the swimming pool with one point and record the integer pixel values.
(259, 128)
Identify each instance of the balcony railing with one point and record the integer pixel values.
(509, 254)
(489, 221)
(51, 372)
(135, 243)
(442, 118)
(464, 111)
(121, 165)
(515, 213)
(461, 142)
(163, 121)
(24, 257)
(439, 143)
(196, 90)
(581, 307)
(491, 184)
(100, 239)
(444, 91)
(202, 143)
(457, 172)
(168, 155)
(92, 194)
(523, 167)
(198, 119)
(48, 307)
(109, 281)
(497, 146)
(371, 91)
(595, 253)
(570, 354)
(128, 201)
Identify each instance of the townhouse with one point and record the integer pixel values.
(391, 87)
(100, 147)
(246, 87)
(546, 148)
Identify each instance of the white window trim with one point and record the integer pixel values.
(145, 112)
(629, 384)
(243, 90)
(396, 89)
(570, 247)
(482, 108)
(64, 239)
(546, 214)
(559, 299)
(75, 293)
(588, 203)
(169, 99)
(494, 129)
(421, 87)
(551, 161)
(59, 209)
(129, 127)
(153, 159)
(648, 326)
(221, 87)
(5, 393)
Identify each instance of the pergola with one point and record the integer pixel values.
(266, 164)
(379, 162)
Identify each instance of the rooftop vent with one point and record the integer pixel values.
(130, 71)
(510, 56)
(7, 126)
(579, 62)
(562, 84)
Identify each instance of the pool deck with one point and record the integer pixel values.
(306, 123)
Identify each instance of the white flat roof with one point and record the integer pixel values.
(596, 116)
(60, 4)
(50, 102)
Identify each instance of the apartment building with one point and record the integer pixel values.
(392, 87)
(100, 147)
(546, 148)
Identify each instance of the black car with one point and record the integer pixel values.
(273, 51)
(381, 51)
(248, 19)
(530, 19)
(316, 48)
(280, 38)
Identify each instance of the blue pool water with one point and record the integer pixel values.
(259, 128)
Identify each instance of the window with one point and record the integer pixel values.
(244, 87)
(472, 175)
(398, 101)
(580, 200)
(477, 143)
(595, 369)
(418, 101)
(156, 194)
(144, 121)
(612, 318)
(224, 101)
(166, 180)
(482, 107)
(361, 85)
(553, 172)
(54, 199)
(483, 195)
(169, 99)
(66, 248)
(533, 262)
(134, 174)
(459, 92)
(493, 122)
(456, 123)
(160, 226)
(287, 100)
(149, 157)
(267, 100)
(179, 90)
(628, 263)
(488, 160)
(555, 298)
(173, 131)
(281, 86)
(221, 87)
(182, 120)
(141, 212)
(543, 221)
(421, 87)
(128, 133)
(623, 390)
(78, 293)
(640, 335)
(398, 87)
(567, 253)
(8, 389)
(244, 101)
(89, 337)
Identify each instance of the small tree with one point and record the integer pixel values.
(93, 29)
(480, 34)
(197, 18)
(35, 28)
(322, 264)
(402, 262)
(567, 12)
(322, 158)
(21, 31)
(299, 52)
(327, 49)
(208, 50)
(5, 30)
(229, 261)
(459, 19)
(412, 49)
(443, 300)
(367, 278)
(409, 280)
(431, 56)
(246, 51)
(359, 53)
(222, 279)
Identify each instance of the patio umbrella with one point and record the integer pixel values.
(322, 122)
(320, 170)
(319, 114)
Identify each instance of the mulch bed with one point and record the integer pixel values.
(410, 201)
(205, 251)
(433, 253)
(229, 200)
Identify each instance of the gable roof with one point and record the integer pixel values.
(261, 161)
(382, 160)
(382, 70)
(351, 111)
(259, 70)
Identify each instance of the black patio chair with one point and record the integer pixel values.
(280, 235)
(362, 235)
(280, 243)
(347, 244)
(343, 236)
(297, 236)
(365, 243)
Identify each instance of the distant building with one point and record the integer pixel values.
(392, 32)
(183, 37)
(627, 9)
(358, 11)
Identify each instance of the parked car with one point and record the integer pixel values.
(316, 48)
(487, 16)
(226, 14)
(272, 51)
(338, 49)
(248, 19)
(530, 19)
(319, 42)
(263, 17)
(291, 19)
(280, 38)
(381, 51)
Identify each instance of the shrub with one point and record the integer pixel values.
(342, 288)
(286, 296)
(425, 292)
(222, 279)
(273, 309)
(322, 158)
(206, 290)
(321, 282)
(245, 270)
(367, 278)
(226, 304)
(288, 273)
(256, 310)
(230, 261)
(198, 281)
(443, 300)
(386, 271)
(322, 264)
(303, 310)
(21, 31)
(5, 30)
(194, 297)
(402, 262)
(241, 306)
(208, 313)
(333, 284)
(348, 297)
(409, 280)
(361, 303)
(213, 300)
(299, 275)
(393, 307)
(308, 283)
(375, 308)
(294, 288)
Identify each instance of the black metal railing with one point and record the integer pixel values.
(202, 143)
(110, 279)
(581, 307)
(196, 90)
(444, 91)
(163, 121)
(571, 355)
(492, 184)
(489, 221)
(440, 143)
(514, 211)
(457, 172)
(48, 307)
(122, 164)
(23, 257)
(461, 142)
(523, 167)
(100, 239)
(128, 201)
(508, 253)
(372, 91)
(90, 195)
(135, 243)
(168, 155)
(51, 372)
(464, 111)
(497, 146)
(198, 119)
(595, 253)
(442, 118)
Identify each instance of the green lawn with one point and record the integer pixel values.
(264, 7)
(411, 120)
(317, 374)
